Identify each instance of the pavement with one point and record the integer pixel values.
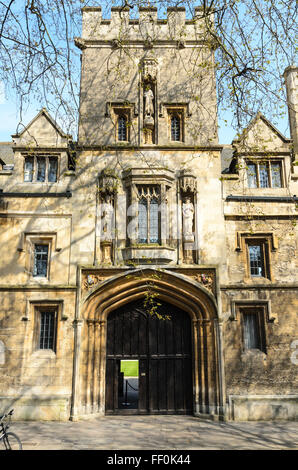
(155, 432)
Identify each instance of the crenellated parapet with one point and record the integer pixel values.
(148, 28)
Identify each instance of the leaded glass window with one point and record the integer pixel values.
(52, 170)
(148, 214)
(41, 253)
(175, 128)
(28, 170)
(47, 334)
(252, 175)
(264, 174)
(122, 128)
(256, 261)
(41, 168)
(276, 174)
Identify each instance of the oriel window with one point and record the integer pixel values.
(148, 214)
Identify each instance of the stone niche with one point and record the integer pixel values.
(188, 193)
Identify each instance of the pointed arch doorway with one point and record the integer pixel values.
(160, 350)
(106, 305)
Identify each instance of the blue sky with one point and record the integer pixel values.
(9, 120)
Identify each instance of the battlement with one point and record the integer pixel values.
(147, 27)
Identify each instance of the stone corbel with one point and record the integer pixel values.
(187, 182)
(108, 182)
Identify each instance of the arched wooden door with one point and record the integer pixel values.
(163, 350)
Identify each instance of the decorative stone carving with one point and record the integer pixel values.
(108, 186)
(148, 80)
(107, 220)
(91, 280)
(108, 182)
(187, 182)
(148, 114)
(149, 70)
(149, 107)
(187, 217)
(207, 280)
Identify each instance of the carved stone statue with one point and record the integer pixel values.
(188, 216)
(107, 221)
(149, 108)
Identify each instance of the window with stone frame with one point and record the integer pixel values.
(176, 124)
(257, 249)
(258, 257)
(122, 123)
(122, 128)
(252, 320)
(148, 214)
(148, 196)
(264, 173)
(41, 259)
(45, 333)
(40, 168)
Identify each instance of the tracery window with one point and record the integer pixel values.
(148, 214)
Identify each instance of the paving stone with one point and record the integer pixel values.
(155, 433)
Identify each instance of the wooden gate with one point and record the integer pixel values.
(162, 347)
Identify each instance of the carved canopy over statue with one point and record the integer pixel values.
(149, 70)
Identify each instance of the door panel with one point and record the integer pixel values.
(163, 348)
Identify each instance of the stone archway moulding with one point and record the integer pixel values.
(174, 288)
(120, 289)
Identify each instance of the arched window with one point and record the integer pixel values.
(122, 128)
(175, 128)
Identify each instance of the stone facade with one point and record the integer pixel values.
(148, 138)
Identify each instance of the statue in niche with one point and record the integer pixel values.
(107, 221)
(188, 216)
(149, 107)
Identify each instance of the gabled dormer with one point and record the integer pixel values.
(43, 131)
(261, 137)
(262, 156)
(41, 151)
